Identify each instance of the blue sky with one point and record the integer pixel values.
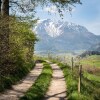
(87, 14)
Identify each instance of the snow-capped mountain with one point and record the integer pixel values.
(54, 29)
(59, 35)
(49, 27)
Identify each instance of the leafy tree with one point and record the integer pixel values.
(16, 39)
(5, 8)
(0, 6)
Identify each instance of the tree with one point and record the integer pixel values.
(16, 38)
(4, 30)
(0, 6)
(23, 6)
(29, 5)
(5, 8)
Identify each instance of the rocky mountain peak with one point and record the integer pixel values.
(56, 28)
(59, 35)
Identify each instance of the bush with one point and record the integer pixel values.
(18, 59)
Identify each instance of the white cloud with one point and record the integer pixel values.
(95, 28)
(51, 9)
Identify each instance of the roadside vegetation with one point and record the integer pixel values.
(89, 85)
(93, 60)
(39, 88)
(90, 82)
(18, 59)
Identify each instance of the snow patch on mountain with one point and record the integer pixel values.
(52, 29)
(56, 28)
(59, 35)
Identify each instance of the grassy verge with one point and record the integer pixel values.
(91, 85)
(93, 60)
(91, 77)
(39, 88)
(72, 84)
(6, 81)
(90, 82)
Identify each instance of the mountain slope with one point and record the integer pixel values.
(63, 36)
(95, 47)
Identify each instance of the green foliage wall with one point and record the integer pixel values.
(17, 59)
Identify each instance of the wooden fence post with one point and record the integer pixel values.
(79, 80)
(64, 59)
(72, 63)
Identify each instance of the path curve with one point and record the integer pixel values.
(57, 89)
(19, 89)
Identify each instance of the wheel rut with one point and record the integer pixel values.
(57, 89)
(19, 89)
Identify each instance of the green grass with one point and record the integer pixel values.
(91, 77)
(90, 84)
(39, 88)
(91, 64)
(6, 81)
(93, 60)
(88, 91)
(71, 83)
(90, 88)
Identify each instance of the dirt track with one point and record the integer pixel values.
(57, 89)
(18, 90)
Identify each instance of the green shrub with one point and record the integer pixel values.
(19, 60)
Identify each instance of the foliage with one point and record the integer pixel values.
(89, 81)
(70, 81)
(89, 53)
(27, 7)
(93, 60)
(89, 85)
(19, 57)
(91, 77)
(39, 88)
(7, 80)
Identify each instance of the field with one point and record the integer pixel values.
(93, 60)
(91, 64)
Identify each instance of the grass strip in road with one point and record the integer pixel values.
(39, 88)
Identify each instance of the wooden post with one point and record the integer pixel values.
(64, 59)
(48, 55)
(94, 66)
(72, 63)
(79, 81)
